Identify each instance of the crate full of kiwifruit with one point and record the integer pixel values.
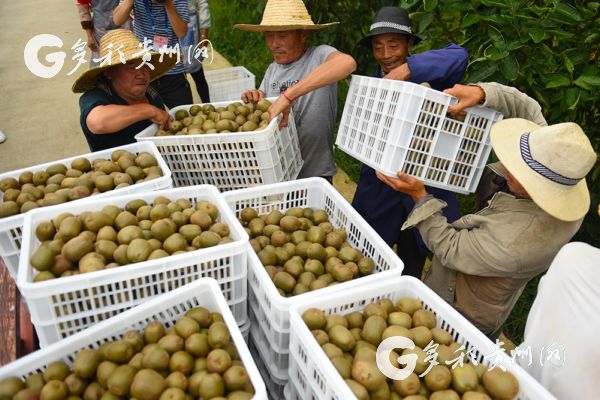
(306, 240)
(185, 344)
(137, 167)
(342, 343)
(84, 263)
(230, 145)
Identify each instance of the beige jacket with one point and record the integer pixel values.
(482, 262)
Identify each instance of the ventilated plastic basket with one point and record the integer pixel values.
(166, 309)
(314, 193)
(229, 83)
(314, 376)
(63, 306)
(233, 160)
(396, 126)
(11, 227)
(275, 386)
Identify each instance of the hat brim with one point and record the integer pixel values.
(566, 203)
(275, 28)
(366, 41)
(87, 80)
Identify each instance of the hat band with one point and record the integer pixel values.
(385, 24)
(541, 168)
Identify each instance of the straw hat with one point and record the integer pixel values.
(390, 20)
(550, 162)
(284, 15)
(130, 46)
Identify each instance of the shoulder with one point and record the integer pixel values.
(94, 95)
(322, 50)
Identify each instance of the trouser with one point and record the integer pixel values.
(201, 85)
(174, 90)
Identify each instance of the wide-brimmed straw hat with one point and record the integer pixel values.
(284, 15)
(120, 46)
(549, 162)
(390, 20)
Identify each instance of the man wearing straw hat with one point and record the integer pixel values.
(390, 38)
(303, 76)
(118, 101)
(482, 262)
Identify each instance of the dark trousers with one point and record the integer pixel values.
(201, 85)
(174, 90)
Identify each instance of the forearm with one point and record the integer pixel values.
(112, 118)
(122, 12)
(179, 25)
(446, 64)
(511, 102)
(337, 67)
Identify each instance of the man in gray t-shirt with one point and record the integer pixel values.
(303, 78)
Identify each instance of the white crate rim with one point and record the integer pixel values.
(152, 307)
(54, 286)
(301, 333)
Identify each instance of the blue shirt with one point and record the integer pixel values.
(381, 206)
(101, 96)
(158, 24)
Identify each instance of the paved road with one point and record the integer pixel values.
(40, 117)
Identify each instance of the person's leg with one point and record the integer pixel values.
(201, 85)
(174, 90)
(409, 253)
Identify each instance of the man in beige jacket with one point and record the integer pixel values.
(482, 262)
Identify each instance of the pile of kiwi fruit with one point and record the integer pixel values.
(193, 358)
(301, 250)
(60, 183)
(350, 342)
(112, 237)
(206, 118)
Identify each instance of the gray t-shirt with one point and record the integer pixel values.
(314, 113)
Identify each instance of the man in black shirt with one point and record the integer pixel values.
(118, 101)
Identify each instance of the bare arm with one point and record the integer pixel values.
(112, 118)
(337, 66)
(122, 12)
(180, 27)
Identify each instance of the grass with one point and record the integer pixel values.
(248, 49)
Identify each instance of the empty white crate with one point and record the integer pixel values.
(315, 377)
(166, 309)
(11, 227)
(275, 386)
(230, 160)
(396, 126)
(229, 83)
(63, 306)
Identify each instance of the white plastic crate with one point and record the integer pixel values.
(232, 160)
(401, 126)
(166, 309)
(11, 227)
(229, 83)
(63, 306)
(275, 386)
(315, 193)
(314, 375)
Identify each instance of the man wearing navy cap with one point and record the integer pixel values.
(390, 38)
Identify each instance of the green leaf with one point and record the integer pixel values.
(517, 44)
(537, 35)
(572, 97)
(568, 11)
(492, 3)
(591, 80)
(510, 68)
(430, 5)
(470, 19)
(593, 38)
(558, 81)
(482, 71)
(494, 54)
(568, 64)
(496, 36)
(425, 21)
